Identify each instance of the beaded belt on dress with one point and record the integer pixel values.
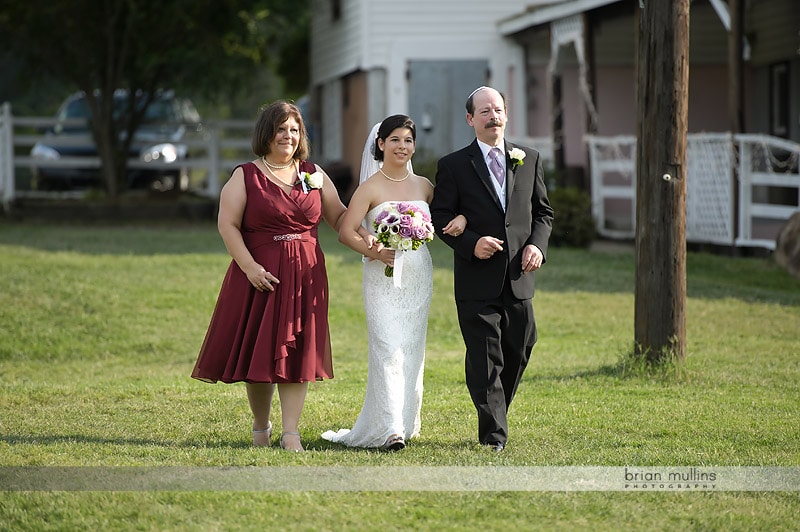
(254, 239)
(286, 237)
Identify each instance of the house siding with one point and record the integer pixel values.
(380, 39)
(708, 38)
(371, 32)
(614, 83)
(773, 26)
(335, 43)
(614, 40)
(780, 20)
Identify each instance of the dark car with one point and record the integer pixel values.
(167, 123)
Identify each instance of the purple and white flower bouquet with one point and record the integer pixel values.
(402, 226)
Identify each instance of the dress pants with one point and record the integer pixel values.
(499, 335)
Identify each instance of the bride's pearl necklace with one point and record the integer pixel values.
(392, 178)
(277, 166)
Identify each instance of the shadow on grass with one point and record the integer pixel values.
(606, 268)
(419, 443)
(310, 444)
(177, 238)
(627, 367)
(55, 439)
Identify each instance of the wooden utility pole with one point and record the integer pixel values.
(735, 98)
(662, 117)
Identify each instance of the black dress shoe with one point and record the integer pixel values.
(495, 446)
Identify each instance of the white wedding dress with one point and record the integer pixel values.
(397, 323)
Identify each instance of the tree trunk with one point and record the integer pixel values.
(663, 84)
(109, 167)
(105, 136)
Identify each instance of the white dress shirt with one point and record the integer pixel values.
(500, 189)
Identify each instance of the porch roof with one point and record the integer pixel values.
(537, 16)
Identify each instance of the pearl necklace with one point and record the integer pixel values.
(280, 181)
(277, 166)
(392, 178)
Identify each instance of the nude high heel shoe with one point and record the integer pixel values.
(262, 437)
(295, 448)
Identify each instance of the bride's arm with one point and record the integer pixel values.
(351, 228)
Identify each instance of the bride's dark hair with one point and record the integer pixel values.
(389, 124)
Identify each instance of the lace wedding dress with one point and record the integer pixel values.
(397, 322)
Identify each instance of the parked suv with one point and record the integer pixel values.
(167, 123)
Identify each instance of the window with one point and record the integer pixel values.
(779, 99)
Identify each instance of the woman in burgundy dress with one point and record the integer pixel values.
(270, 324)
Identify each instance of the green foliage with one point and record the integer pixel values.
(209, 48)
(573, 224)
(100, 328)
(425, 165)
(216, 49)
(294, 63)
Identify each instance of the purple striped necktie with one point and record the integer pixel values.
(496, 166)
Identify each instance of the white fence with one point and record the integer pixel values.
(221, 146)
(214, 153)
(544, 145)
(717, 210)
(768, 190)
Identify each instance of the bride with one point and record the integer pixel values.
(396, 307)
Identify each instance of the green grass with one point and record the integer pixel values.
(100, 327)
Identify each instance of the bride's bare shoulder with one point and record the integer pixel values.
(424, 181)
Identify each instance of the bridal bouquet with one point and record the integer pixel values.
(403, 227)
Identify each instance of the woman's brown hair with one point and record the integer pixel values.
(269, 119)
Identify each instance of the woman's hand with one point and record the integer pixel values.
(261, 279)
(455, 226)
(386, 256)
(371, 241)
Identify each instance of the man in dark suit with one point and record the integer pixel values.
(503, 197)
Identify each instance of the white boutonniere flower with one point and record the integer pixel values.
(516, 155)
(310, 181)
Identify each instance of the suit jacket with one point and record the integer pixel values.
(464, 186)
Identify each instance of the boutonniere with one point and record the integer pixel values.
(310, 181)
(516, 155)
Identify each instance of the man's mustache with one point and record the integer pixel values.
(494, 122)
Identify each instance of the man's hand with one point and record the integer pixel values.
(532, 258)
(487, 246)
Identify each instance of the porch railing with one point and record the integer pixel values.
(740, 189)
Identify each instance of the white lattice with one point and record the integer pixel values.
(709, 188)
(613, 173)
(764, 163)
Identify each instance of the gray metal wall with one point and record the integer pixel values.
(437, 93)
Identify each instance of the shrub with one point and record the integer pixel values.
(425, 165)
(573, 225)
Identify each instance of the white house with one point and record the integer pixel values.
(568, 69)
(373, 58)
(582, 72)
(589, 46)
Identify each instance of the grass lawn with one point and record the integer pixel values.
(100, 328)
